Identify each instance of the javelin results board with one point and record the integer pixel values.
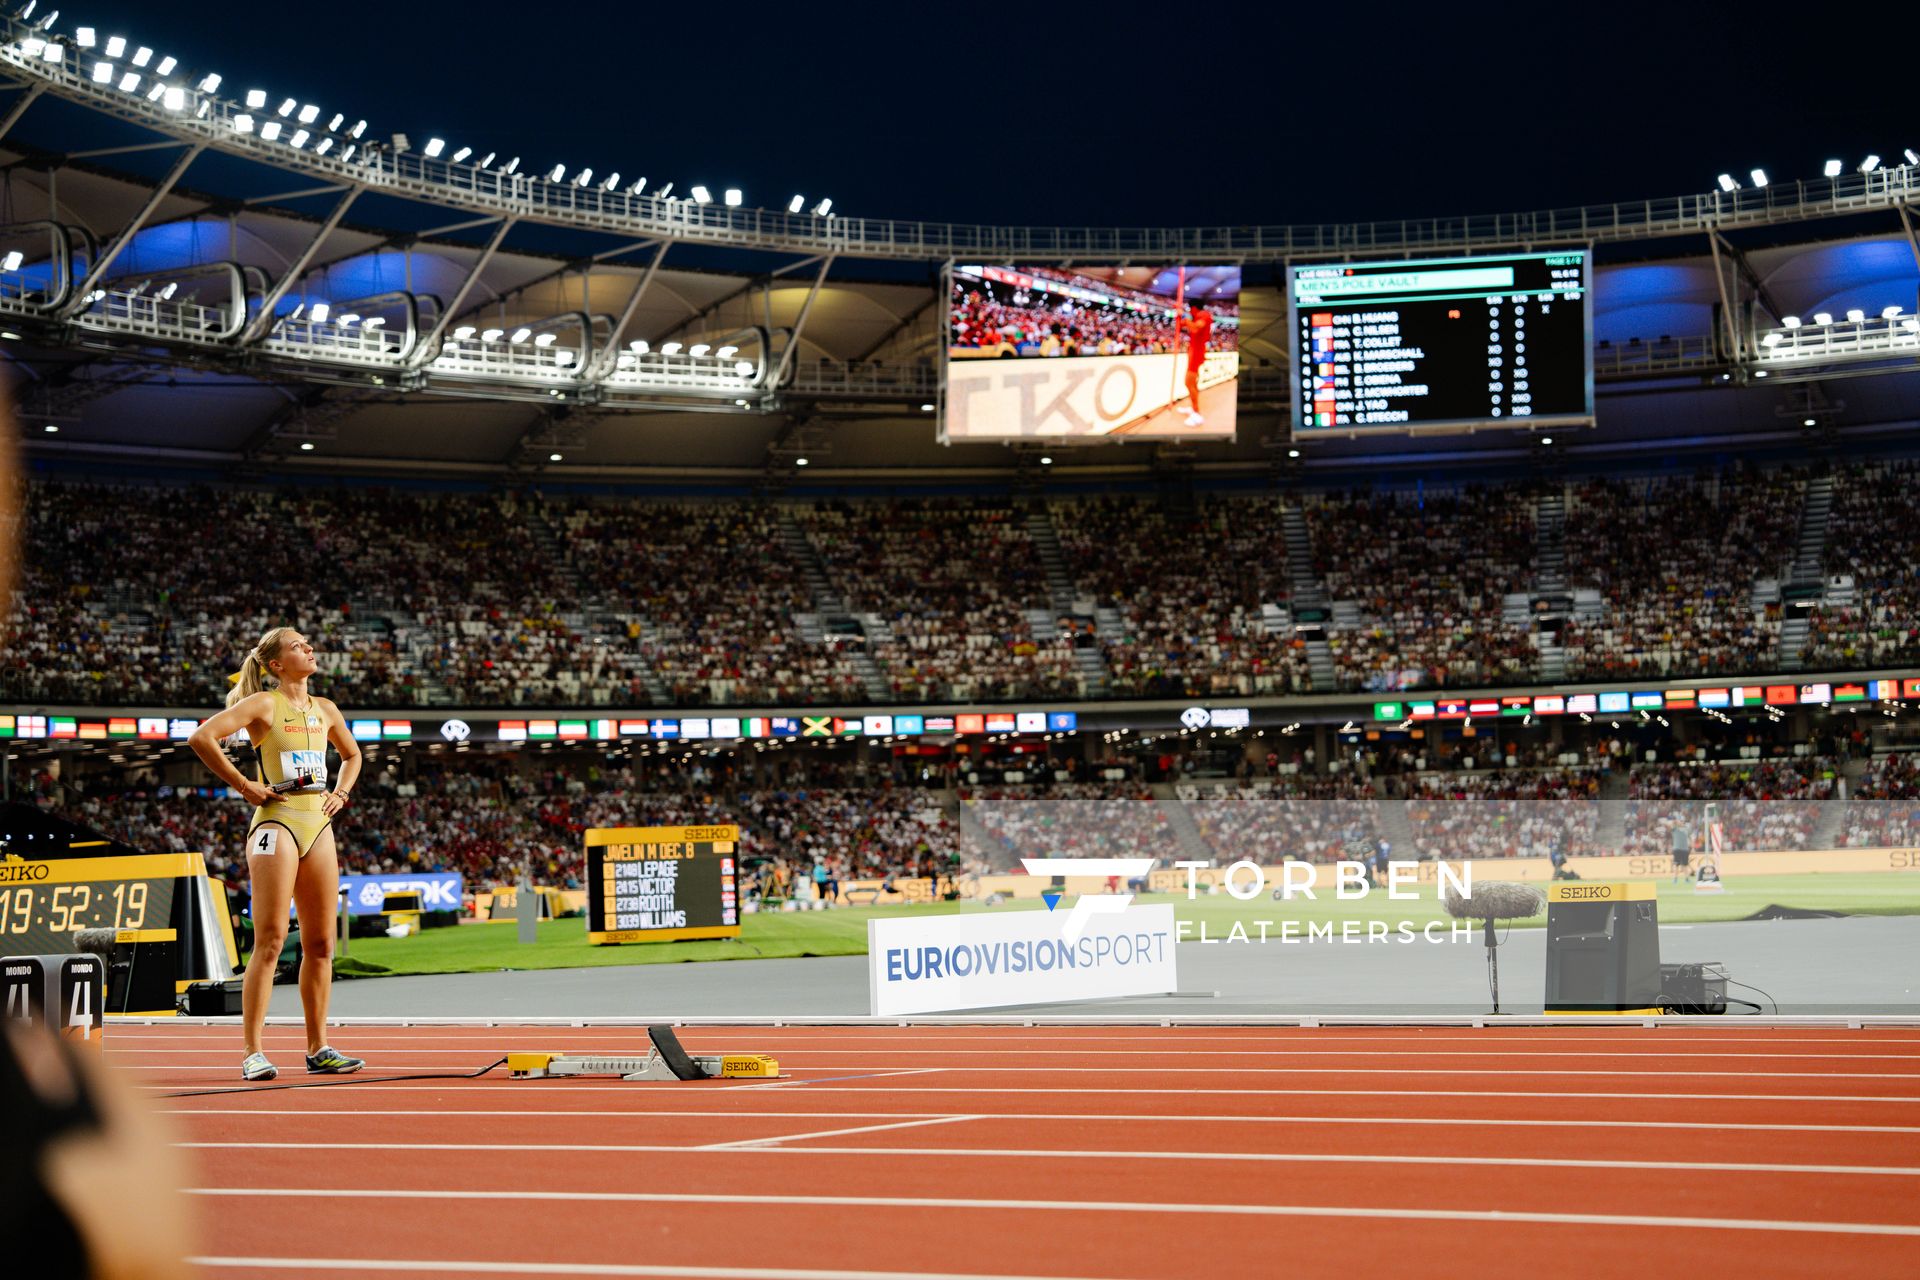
(662, 884)
(1442, 344)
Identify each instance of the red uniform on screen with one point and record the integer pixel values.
(1199, 333)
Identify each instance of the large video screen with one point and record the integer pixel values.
(1131, 353)
(1442, 344)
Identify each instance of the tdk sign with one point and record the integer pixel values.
(1196, 717)
(438, 890)
(455, 731)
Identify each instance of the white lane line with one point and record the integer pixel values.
(318, 1266)
(436, 1113)
(524, 1088)
(874, 1071)
(1239, 1053)
(1048, 1153)
(751, 1143)
(1131, 1207)
(866, 1074)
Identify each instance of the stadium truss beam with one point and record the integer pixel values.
(263, 320)
(97, 270)
(425, 351)
(604, 363)
(800, 323)
(205, 119)
(28, 95)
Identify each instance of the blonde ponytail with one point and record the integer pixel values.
(254, 673)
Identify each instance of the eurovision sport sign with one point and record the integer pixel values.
(928, 965)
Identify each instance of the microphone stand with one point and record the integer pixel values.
(1493, 965)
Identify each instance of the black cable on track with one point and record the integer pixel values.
(331, 1084)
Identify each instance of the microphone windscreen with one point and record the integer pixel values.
(1496, 900)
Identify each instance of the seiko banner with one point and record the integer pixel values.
(918, 965)
(438, 890)
(1084, 396)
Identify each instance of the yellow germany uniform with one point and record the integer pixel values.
(295, 745)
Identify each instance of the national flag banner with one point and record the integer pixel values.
(1910, 688)
(6, 726)
(1483, 707)
(1615, 702)
(153, 726)
(696, 727)
(1715, 697)
(971, 723)
(397, 729)
(1582, 703)
(907, 726)
(816, 726)
(757, 726)
(1030, 721)
(543, 728)
(1063, 721)
(1682, 698)
(1885, 690)
(1816, 693)
(628, 729)
(365, 730)
(784, 726)
(93, 729)
(1642, 701)
(1782, 695)
(1421, 710)
(1000, 722)
(1516, 706)
(1452, 709)
(179, 730)
(122, 727)
(659, 728)
(877, 726)
(1551, 704)
(1386, 711)
(727, 727)
(1748, 695)
(844, 726)
(516, 730)
(940, 724)
(1849, 693)
(573, 728)
(605, 729)
(62, 727)
(36, 726)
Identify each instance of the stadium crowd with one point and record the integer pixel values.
(1000, 318)
(1874, 540)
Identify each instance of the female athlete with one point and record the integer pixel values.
(290, 850)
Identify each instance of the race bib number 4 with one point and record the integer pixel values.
(262, 841)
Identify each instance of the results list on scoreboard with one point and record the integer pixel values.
(1461, 341)
(658, 884)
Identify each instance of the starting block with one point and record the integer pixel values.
(665, 1061)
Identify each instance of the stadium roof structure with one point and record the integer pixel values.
(341, 302)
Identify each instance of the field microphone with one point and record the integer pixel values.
(1489, 901)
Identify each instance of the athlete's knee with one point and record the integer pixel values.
(319, 947)
(269, 939)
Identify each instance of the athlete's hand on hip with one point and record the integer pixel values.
(257, 793)
(334, 802)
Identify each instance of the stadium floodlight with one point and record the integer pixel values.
(486, 161)
(320, 312)
(1293, 453)
(1870, 164)
(698, 349)
(434, 147)
(116, 46)
(256, 99)
(796, 204)
(638, 346)
(553, 457)
(639, 185)
(584, 177)
(464, 332)
(559, 172)
(374, 322)
(309, 113)
(1546, 439)
(348, 153)
(359, 127)
(726, 353)
(1809, 422)
(460, 156)
(1759, 177)
(1790, 322)
(243, 123)
(52, 430)
(84, 37)
(299, 139)
(613, 180)
(1727, 183)
(744, 368)
(544, 340)
(824, 208)
(1912, 157)
(522, 334)
(492, 335)
(1822, 317)
(926, 408)
(339, 118)
(210, 82)
(732, 197)
(270, 130)
(26, 10)
(129, 82)
(669, 348)
(103, 73)
(287, 107)
(174, 99)
(1889, 313)
(141, 56)
(798, 462)
(1046, 459)
(664, 192)
(700, 194)
(166, 66)
(1856, 315)
(511, 167)
(166, 294)
(12, 261)
(350, 319)
(323, 146)
(1832, 169)
(306, 446)
(157, 92)
(54, 52)
(401, 143)
(1771, 340)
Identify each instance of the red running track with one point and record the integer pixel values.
(1116, 1153)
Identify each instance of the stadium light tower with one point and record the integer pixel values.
(1832, 169)
(796, 204)
(434, 147)
(733, 197)
(1759, 177)
(1871, 163)
(1727, 183)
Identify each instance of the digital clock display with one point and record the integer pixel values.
(43, 905)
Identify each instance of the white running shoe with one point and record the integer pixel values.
(256, 1067)
(1195, 420)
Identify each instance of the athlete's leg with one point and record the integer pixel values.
(1193, 386)
(272, 864)
(316, 895)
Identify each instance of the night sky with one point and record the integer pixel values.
(1076, 113)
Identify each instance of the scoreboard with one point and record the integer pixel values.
(1442, 344)
(662, 884)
